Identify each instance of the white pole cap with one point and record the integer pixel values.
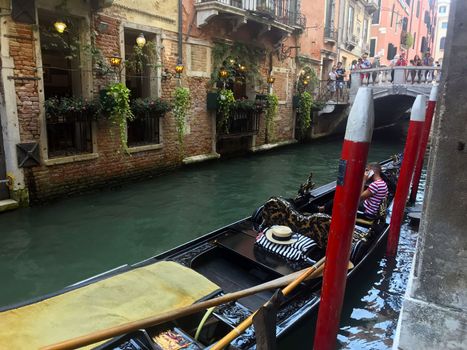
(418, 109)
(362, 117)
(434, 93)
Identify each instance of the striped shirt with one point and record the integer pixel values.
(379, 191)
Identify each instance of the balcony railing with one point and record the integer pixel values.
(241, 123)
(330, 34)
(275, 10)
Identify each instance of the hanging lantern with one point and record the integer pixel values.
(271, 79)
(115, 61)
(223, 73)
(60, 26)
(141, 40)
(179, 68)
(242, 68)
(232, 61)
(305, 82)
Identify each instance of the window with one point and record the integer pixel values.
(444, 25)
(68, 132)
(142, 79)
(350, 23)
(392, 50)
(414, 40)
(424, 45)
(442, 9)
(376, 15)
(365, 32)
(418, 9)
(442, 42)
(372, 47)
(392, 14)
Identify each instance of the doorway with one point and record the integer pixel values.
(4, 193)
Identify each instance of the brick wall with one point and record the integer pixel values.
(22, 50)
(112, 166)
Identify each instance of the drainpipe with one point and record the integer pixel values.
(180, 32)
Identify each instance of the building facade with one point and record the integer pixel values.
(442, 8)
(402, 26)
(59, 57)
(354, 29)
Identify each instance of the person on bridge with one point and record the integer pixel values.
(340, 74)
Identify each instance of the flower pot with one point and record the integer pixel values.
(211, 101)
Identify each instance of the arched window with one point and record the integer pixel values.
(442, 43)
(442, 9)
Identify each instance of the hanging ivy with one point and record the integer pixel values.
(226, 103)
(142, 57)
(180, 108)
(272, 104)
(307, 80)
(304, 112)
(116, 102)
(240, 60)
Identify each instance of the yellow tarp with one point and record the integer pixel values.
(130, 296)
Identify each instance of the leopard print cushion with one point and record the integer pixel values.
(279, 211)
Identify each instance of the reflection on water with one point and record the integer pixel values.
(43, 249)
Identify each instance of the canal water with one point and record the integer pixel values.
(45, 248)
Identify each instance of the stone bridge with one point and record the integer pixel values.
(394, 91)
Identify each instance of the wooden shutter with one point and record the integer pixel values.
(24, 11)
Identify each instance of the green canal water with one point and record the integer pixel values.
(43, 249)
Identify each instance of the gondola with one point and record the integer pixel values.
(223, 261)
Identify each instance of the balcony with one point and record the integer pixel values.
(243, 121)
(370, 6)
(351, 42)
(330, 35)
(277, 14)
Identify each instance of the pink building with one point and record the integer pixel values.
(402, 25)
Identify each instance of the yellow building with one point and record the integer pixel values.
(354, 24)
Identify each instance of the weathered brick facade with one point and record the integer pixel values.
(107, 165)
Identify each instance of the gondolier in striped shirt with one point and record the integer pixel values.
(375, 193)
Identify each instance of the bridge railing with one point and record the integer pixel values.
(395, 75)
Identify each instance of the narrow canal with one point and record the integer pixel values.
(43, 249)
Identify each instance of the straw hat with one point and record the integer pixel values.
(280, 235)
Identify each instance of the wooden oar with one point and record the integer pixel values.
(234, 333)
(308, 273)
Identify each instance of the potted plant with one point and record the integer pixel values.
(142, 107)
(72, 108)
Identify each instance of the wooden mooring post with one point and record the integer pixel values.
(348, 190)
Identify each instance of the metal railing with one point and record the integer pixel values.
(240, 123)
(278, 10)
(144, 130)
(333, 92)
(69, 135)
(396, 75)
(330, 33)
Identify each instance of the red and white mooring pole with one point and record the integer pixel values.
(348, 190)
(430, 110)
(412, 145)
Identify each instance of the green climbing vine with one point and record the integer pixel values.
(272, 104)
(116, 102)
(226, 102)
(240, 60)
(180, 108)
(307, 80)
(304, 112)
(142, 57)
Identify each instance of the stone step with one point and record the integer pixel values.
(8, 204)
